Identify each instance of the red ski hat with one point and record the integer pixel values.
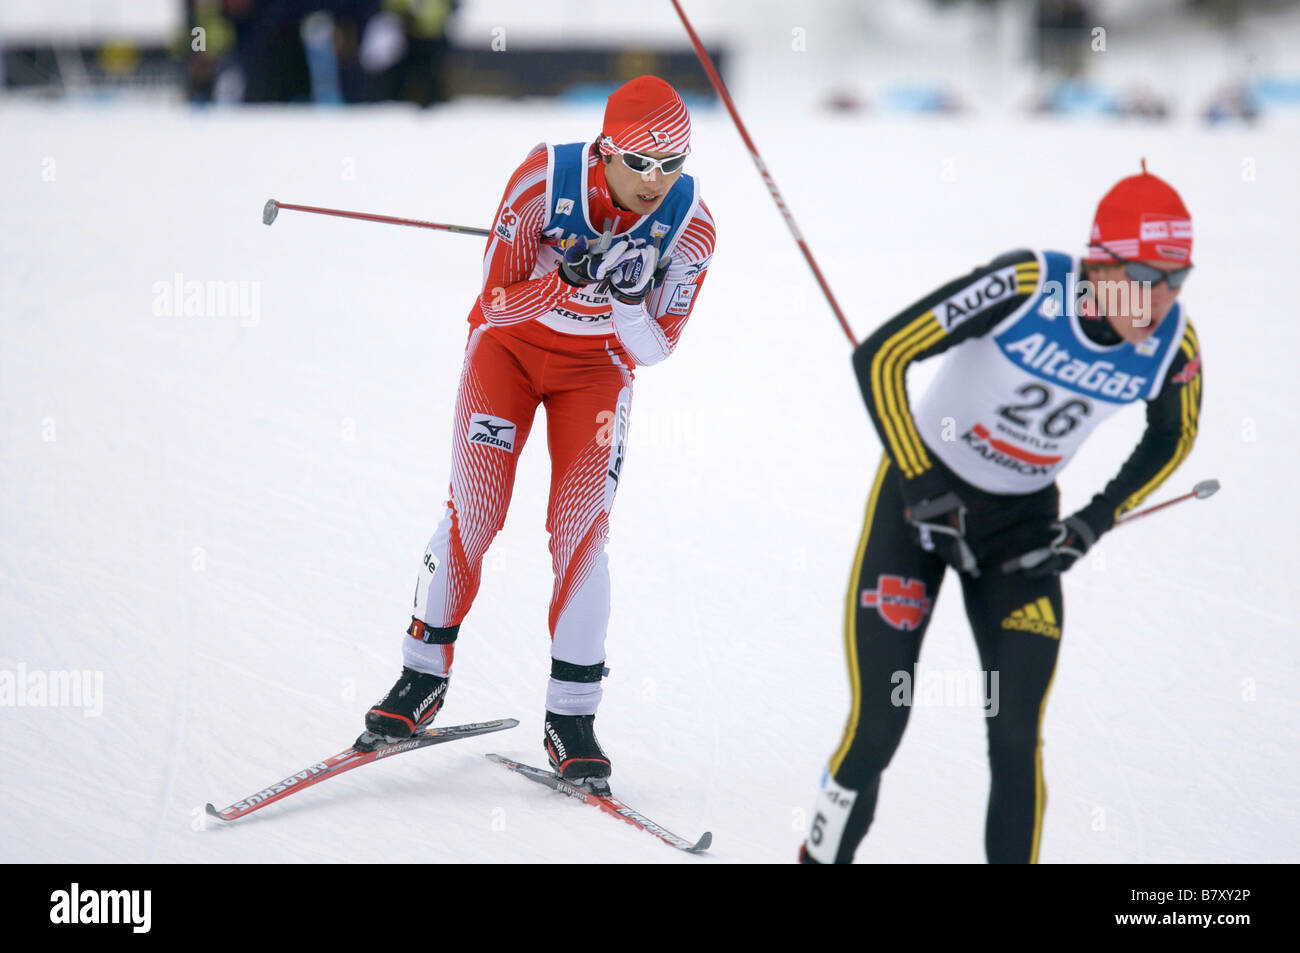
(645, 115)
(1141, 219)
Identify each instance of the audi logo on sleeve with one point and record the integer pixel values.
(974, 299)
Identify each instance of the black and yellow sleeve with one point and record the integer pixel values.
(1172, 418)
(962, 309)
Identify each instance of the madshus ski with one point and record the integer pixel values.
(603, 799)
(354, 758)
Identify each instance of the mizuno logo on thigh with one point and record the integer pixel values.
(492, 431)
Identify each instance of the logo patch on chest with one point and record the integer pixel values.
(1048, 359)
(1007, 454)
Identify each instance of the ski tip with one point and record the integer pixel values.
(703, 844)
(269, 211)
(509, 722)
(213, 812)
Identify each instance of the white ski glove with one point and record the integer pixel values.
(632, 271)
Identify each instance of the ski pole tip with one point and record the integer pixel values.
(269, 211)
(1205, 488)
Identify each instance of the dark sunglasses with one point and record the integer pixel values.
(1137, 271)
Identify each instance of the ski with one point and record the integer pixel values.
(354, 758)
(602, 798)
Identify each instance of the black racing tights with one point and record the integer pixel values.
(1017, 625)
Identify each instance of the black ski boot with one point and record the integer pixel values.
(409, 706)
(573, 751)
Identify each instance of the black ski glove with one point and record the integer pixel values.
(585, 261)
(939, 516)
(1074, 537)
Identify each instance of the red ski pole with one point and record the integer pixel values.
(1031, 559)
(1200, 491)
(716, 80)
(272, 209)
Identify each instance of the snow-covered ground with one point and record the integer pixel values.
(222, 514)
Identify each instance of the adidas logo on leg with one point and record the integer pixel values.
(1036, 617)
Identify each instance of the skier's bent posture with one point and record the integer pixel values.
(596, 259)
(1041, 348)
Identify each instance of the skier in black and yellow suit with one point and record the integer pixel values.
(1050, 347)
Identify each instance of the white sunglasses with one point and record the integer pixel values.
(644, 164)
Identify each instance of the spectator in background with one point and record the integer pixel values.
(382, 50)
(1234, 101)
(417, 76)
(1062, 28)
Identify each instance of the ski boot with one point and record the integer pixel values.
(574, 752)
(409, 706)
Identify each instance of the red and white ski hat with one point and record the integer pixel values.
(645, 115)
(1141, 219)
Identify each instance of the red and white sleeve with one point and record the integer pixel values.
(509, 295)
(650, 331)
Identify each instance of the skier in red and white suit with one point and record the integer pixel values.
(597, 255)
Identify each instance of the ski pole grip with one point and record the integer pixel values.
(1027, 560)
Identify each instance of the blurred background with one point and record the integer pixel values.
(1217, 59)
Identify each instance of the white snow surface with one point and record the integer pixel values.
(224, 515)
